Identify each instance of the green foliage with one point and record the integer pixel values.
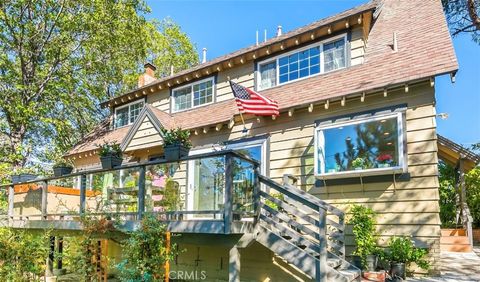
(358, 163)
(110, 149)
(62, 163)
(472, 181)
(171, 195)
(402, 249)
(59, 59)
(463, 17)
(278, 196)
(177, 137)
(145, 252)
(363, 221)
(447, 194)
(22, 254)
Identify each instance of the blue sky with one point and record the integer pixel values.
(225, 26)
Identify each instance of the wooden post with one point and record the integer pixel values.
(60, 251)
(227, 213)
(11, 199)
(83, 189)
(50, 258)
(44, 199)
(167, 264)
(321, 263)
(141, 192)
(234, 265)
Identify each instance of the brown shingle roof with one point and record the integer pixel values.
(424, 50)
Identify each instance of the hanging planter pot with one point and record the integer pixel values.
(110, 161)
(62, 170)
(23, 177)
(175, 152)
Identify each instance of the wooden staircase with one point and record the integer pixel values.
(296, 229)
(455, 240)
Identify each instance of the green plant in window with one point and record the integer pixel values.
(358, 163)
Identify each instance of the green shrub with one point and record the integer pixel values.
(363, 221)
(110, 149)
(472, 181)
(402, 249)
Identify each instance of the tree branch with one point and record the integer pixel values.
(473, 13)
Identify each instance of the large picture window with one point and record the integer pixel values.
(372, 145)
(193, 95)
(127, 114)
(317, 58)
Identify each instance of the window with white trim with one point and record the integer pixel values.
(311, 60)
(368, 145)
(193, 95)
(127, 114)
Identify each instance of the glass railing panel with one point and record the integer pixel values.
(243, 185)
(113, 192)
(164, 186)
(63, 197)
(27, 201)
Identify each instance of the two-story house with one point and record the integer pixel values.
(356, 93)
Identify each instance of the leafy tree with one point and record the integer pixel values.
(59, 59)
(448, 194)
(22, 254)
(463, 17)
(472, 181)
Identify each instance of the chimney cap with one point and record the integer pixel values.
(150, 66)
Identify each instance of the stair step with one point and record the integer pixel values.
(333, 262)
(454, 240)
(456, 248)
(350, 274)
(453, 232)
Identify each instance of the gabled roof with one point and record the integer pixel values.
(425, 50)
(452, 152)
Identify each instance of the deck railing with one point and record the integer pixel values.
(220, 187)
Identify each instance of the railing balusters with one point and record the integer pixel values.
(322, 231)
(83, 190)
(256, 194)
(141, 192)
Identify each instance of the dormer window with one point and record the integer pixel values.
(126, 114)
(317, 58)
(192, 95)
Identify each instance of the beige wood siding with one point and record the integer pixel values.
(357, 46)
(146, 136)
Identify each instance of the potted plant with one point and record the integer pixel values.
(110, 155)
(401, 253)
(61, 168)
(176, 143)
(384, 160)
(22, 175)
(358, 163)
(363, 221)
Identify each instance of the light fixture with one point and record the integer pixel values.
(386, 133)
(443, 115)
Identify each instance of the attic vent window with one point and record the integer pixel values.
(127, 114)
(302, 63)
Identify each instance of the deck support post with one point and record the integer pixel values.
(141, 192)
(60, 252)
(234, 265)
(11, 199)
(83, 190)
(228, 212)
(321, 263)
(50, 258)
(44, 199)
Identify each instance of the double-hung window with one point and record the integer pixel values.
(193, 95)
(311, 60)
(127, 114)
(372, 145)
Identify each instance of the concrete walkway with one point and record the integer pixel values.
(454, 267)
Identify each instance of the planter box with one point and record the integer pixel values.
(109, 162)
(175, 152)
(62, 170)
(23, 177)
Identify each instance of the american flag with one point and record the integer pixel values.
(251, 102)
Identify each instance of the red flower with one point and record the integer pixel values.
(384, 158)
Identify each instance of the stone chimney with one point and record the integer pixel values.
(148, 76)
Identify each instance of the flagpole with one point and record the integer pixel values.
(244, 130)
